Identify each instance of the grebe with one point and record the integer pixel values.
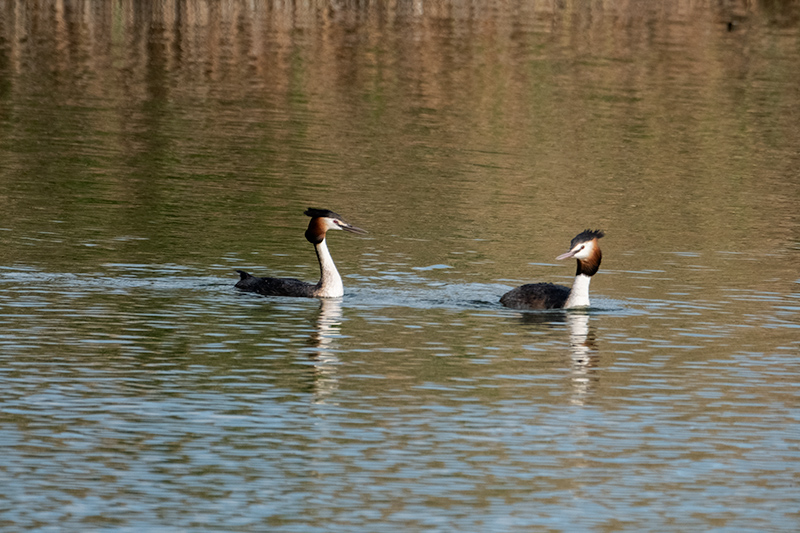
(330, 282)
(585, 249)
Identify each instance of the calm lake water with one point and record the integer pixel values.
(149, 149)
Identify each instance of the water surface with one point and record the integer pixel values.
(149, 149)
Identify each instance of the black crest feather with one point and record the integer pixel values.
(586, 236)
(320, 213)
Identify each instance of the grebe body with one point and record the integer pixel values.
(330, 282)
(585, 249)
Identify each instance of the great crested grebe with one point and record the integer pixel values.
(585, 249)
(330, 282)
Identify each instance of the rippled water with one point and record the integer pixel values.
(166, 399)
(149, 150)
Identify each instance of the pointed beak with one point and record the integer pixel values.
(566, 255)
(352, 229)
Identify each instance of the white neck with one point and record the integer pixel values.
(330, 282)
(579, 295)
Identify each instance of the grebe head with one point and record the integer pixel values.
(586, 250)
(584, 245)
(323, 220)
